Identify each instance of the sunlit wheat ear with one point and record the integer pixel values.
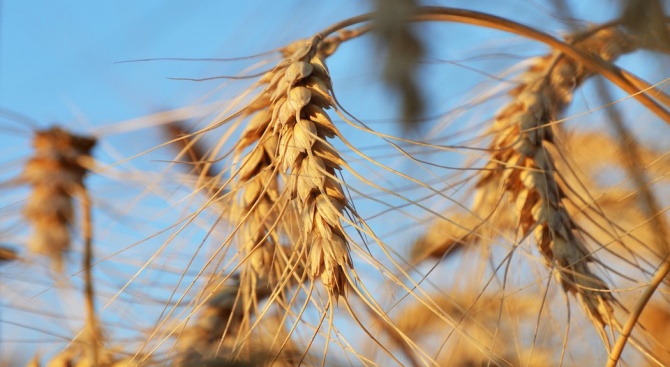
(311, 163)
(55, 172)
(291, 135)
(523, 167)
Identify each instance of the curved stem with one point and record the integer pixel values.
(651, 208)
(436, 13)
(644, 298)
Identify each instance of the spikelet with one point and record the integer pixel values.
(260, 192)
(55, 173)
(522, 166)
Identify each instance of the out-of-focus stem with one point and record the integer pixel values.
(89, 293)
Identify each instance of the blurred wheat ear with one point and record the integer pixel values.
(492, 322)
(523, 168)
(217, 337)
(647, 20)
(193, 155)
(8, 254)
(56, 173)
(404, 50)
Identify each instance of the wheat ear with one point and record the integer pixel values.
(56, 172)
(303, 93)
(522, 166)
(7, 254)
(291, 129)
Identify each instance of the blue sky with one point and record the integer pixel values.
(59, 59)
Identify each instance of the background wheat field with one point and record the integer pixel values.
(352, 183)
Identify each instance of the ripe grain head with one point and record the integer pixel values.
(290, 135)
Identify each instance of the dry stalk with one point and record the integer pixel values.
(586, 61)
(56, 173)
(523, 167)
